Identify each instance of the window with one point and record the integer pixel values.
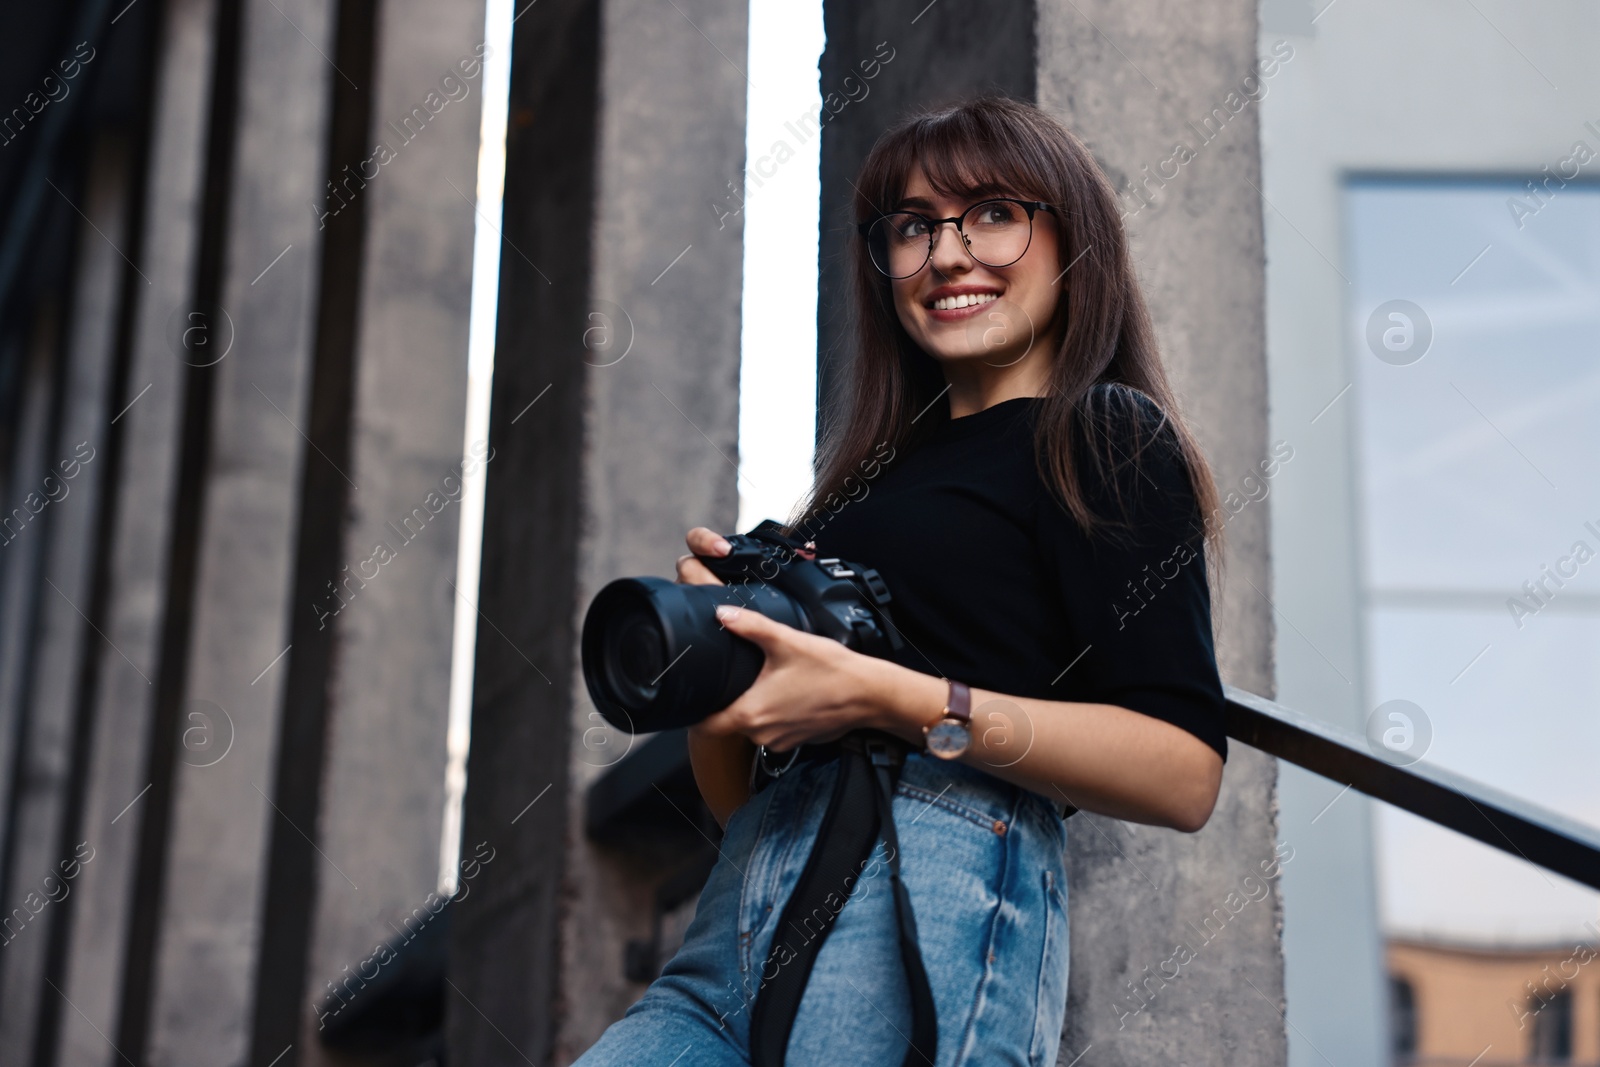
(1552, 1029)
(1402, 1018)
(1476, 392)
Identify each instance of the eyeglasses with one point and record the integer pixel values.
(996, 233)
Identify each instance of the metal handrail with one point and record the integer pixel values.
(1510, 824)
(653, 789)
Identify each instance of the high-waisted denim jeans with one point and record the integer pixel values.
(985, 864)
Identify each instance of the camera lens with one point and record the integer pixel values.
(655, 657)
(636, 650)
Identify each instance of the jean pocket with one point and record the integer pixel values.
(1050, 1007)
(949, 801)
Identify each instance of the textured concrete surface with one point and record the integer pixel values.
(502, 1004)
(619, 504)
(939, 55)
(137, 554)
(1129, 79)
(24, 543)
(661, 424)
(388, 695)
(41, 855)
(1136, 891)
(631, 320)
(210, 917)
(29, 507)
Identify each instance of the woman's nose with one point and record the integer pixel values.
(950, 250)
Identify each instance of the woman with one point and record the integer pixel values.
(1013, 464)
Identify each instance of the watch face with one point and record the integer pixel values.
(948, 738)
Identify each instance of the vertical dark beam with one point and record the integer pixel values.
(12, 362)
(41, 310)
(292, 875)
(192, 331)
(621, 297)
(39, 725)
(41, 816)
(23, 536)
(662, 423)
(145, 512)
(506, 934)
(209, 910)
(142, 33)
(394, 327)
(937, 58)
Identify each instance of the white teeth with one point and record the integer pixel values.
(951, 303)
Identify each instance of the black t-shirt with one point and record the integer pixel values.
(994, 583)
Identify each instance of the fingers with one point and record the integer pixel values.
(702, 541)
(707, 542)
(692, 572)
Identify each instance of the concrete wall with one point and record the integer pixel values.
(502, 1006)
(42, 811)
(622, 332)
(210, 912)
(1126, 78)
(936, 58)
(1129, 78)
(388, 695)
(116, 784)
(234, 354)
(261, 776)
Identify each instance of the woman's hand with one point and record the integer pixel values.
(811, 688)
(720, 762)
(702, 542)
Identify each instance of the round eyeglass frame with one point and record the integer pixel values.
(1032, 207)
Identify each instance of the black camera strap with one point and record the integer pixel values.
(861, 806)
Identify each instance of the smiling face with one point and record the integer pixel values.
(972, 318)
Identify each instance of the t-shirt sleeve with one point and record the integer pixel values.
(1136, 597)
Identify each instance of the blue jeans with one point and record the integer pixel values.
(984, 862)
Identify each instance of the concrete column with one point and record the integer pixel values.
(1135, 891)
(1130, 78)
(43, 863)
(663, 422)
(116, 797)
(22, 542)
(391, 620)
(934, 56)
(517, 769)
(210, 914)
(631, 320)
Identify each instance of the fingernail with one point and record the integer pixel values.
(726, 612)
(721, 545)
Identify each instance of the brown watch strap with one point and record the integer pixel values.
(959, 703)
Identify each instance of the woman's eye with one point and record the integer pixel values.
(913, 227)
(996, 214)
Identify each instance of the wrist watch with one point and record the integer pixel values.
(948, 736)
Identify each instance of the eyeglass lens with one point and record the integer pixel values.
(997, 234)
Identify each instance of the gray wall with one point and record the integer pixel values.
(641, 115)
(258, 786)
(262, 778)
(1128, 78)
(1137, 892)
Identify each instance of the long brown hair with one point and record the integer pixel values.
(1106, 353)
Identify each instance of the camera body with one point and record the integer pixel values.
(655, 656)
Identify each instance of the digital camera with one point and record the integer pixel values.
(656, 657)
